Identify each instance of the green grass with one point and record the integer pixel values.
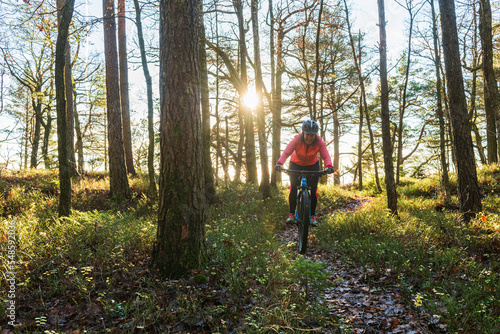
(453, 267)
(91, 271)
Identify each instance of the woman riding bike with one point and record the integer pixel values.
(304, 149)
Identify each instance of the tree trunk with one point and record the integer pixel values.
(37, 107)
(368, 122)
(226, 171)
(124, 99)
(149, 92)
(399, 159)
(105, 151)
(445, 180)
(217, 116)
(70, 110)
(79, 143)
(210, 191)
(478, 138)
(449, 131)
(66, 11)
(305, 63)
(180, 235)
(26, 133)
(360, 143)
(1, 88)
(392, 201)
(117, 170)
(363, 93)
(47, 129)
(318, 34)
(277, 103)
(68, 82)
(336, 147)
(491, 98)
(275, 153)
(469, 195)
(472, 98)
(251, 161)
(261, 123)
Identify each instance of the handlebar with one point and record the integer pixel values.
(305, 172)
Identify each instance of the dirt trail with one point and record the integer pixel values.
(363, 306)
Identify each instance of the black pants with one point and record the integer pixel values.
(312, 181)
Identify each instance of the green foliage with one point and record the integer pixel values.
(95, 262)
(243, 253)
(489, 179)
(447, 268)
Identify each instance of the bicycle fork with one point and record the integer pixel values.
(303, 187)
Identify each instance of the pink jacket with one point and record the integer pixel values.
(305, 155)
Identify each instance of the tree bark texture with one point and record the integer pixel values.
(210, 191)
(468, 188)
(26, 133)
(491, 102)
(180, 235)
(47, 129)
(64, 207)
(119, 186)
(390, 185)
(37, 107)
(68, 83)
(124, 96)
(79, 143)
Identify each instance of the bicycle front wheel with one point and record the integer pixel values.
(304, 208)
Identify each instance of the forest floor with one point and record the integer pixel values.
(366, 271)
(364, 307)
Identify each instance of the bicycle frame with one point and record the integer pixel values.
(303, 208)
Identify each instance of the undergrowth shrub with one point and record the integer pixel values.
(451, 266)
(279, 289)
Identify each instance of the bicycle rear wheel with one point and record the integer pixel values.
(304, 207)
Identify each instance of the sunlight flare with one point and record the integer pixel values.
(251, 99)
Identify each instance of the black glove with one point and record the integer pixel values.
(329, 170)
(278, 167)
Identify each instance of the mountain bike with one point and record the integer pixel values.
(303, 210)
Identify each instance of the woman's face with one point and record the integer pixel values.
(309, 138)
